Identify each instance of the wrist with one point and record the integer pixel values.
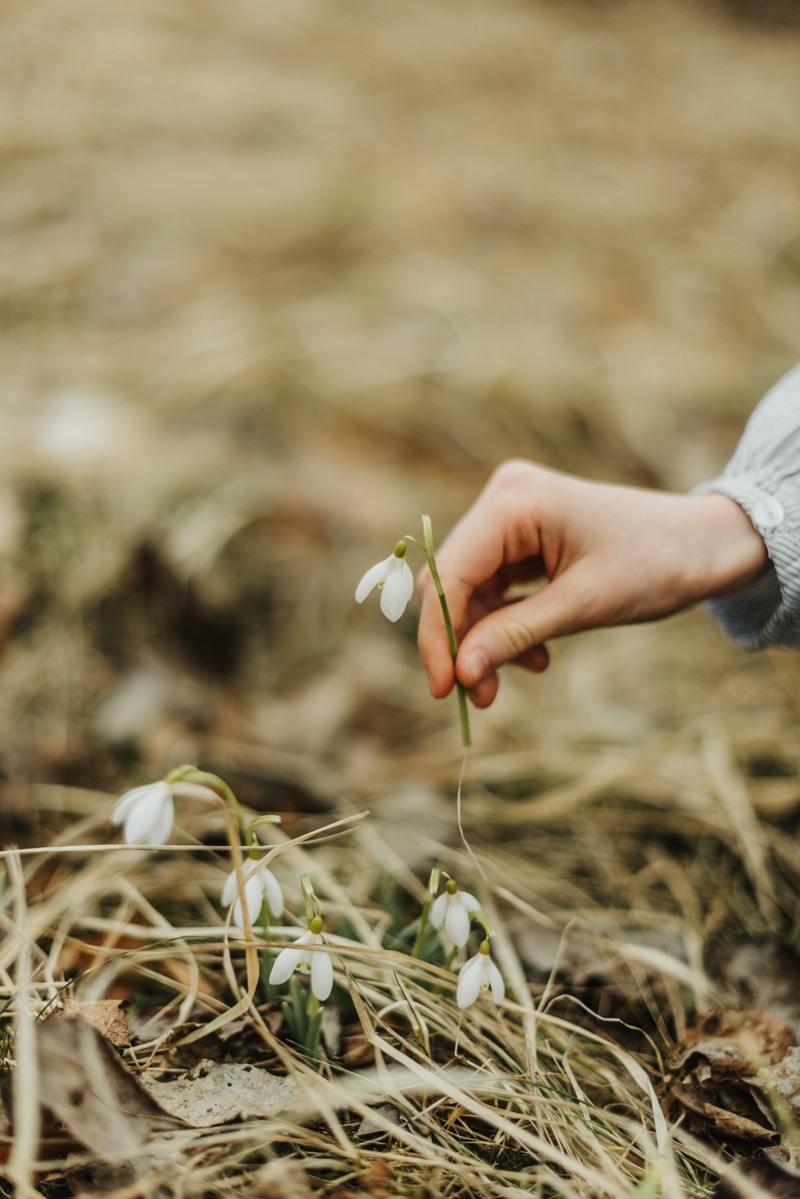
(736, 551)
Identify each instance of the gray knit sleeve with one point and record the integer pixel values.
(763, 477)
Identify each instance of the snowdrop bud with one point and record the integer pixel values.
(453, 909)
(299, 956)
(394, 579)
(146, 814)
(479, 973)
(258, 885)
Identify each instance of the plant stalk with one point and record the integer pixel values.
(463, 711)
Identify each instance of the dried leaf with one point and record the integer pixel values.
(105, 1015)
(86, 1086)
(785, 1079)
(375, 1129)
(719, 1120)
(729, 1071)
(216, 1093)
(358, 1050)
(736, 1043)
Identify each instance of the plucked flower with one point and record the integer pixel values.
(394, 578)
(300, 956)
(453, 909)
(146, 814)
(478, 974)
(258, 885)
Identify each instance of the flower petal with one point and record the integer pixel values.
(469, 902)
(408, 575)
(496, 983)
(469, 982)
(285, 965)
(127, 802)
(161, 830)
(254, 897)
(457, 923)
(375, 575)
(438, 910)
(321, 975)
(395, 594)
(144, 816)
(229, 888)
(273, 892)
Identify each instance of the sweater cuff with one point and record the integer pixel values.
(767, 611)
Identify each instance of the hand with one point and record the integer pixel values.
(608, 555)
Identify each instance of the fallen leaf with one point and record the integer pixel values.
(358, 1050)
(375, 1129)
(216, 1093)
(721, 1121)
(105, 1015)
(86, 1086)
(785, 1079)
(734, 1042)
(727, 1072)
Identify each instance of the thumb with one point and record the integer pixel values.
(510, 632)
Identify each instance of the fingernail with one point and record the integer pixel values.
(476, 667)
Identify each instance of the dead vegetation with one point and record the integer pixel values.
(276, 280)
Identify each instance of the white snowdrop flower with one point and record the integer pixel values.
(146, 814)
(478, 974)
(453, 909)
(258, 884)
(393, 576)
(299, 956)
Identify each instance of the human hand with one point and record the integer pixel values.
(608, 555)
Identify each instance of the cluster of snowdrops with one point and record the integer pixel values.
(147, 814)
(251, 890)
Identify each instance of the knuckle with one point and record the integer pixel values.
(517, 637)
(509, 474)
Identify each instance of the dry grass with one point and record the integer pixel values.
(277, 278)
(544, 1093)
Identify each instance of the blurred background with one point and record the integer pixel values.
(276, 279)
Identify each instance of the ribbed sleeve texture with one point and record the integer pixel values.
(763, 477)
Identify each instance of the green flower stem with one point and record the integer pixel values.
(430, 895)
(310, 901)
(251, 838)
(192, 774)
(482, 919)
(463, 711)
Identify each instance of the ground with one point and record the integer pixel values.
(279, 278)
